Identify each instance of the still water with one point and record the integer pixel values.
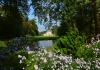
(41, 43)
(46, 43)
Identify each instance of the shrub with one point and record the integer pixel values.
(2, 44)
(15, 62)
(69, 44)
(12, 47)
(90, 51)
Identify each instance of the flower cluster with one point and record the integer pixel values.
(43, 59)
(22, 58)
(14, 46)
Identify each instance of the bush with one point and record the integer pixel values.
(15, 62)
(90, 51)
(69, 44)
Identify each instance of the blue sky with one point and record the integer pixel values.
(31, 16)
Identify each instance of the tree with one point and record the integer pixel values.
(11, 24)
(86, 16)
(89, 15)
(54, 29)
(34, 26)
(54, 10)
(47, 11)
(83, 14)
(30, 27)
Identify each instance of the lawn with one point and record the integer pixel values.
(34, 38)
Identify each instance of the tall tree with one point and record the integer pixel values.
(11, 23)
(83, 14)
(30, 27)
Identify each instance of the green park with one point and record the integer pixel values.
(70, 41)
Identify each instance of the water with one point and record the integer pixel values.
(46, 43)
(41, 43)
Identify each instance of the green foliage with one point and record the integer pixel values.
(34, 26)
(51, 48)
(34, 38)
(30, 27)
(54, 29)
(3, 44)
(69, 44)
(84, 14)
(11, 24)
(61, 31)
(13, 61)
(41, 33)
(47, 8)
(43, 60)
(90, 51)
(11, 20)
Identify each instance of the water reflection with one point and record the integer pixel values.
(45, 43)
(42, 43)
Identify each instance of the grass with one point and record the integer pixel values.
(2, 44)
(36, 38)
(44, 37)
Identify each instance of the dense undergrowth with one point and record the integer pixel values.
(70, 52)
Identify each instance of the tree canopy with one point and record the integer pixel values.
(47, 11)
(12, 18)
(30, 27)
(83, 14)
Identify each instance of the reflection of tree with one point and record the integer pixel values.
(49, 40)
(34, 45)
(46, 43)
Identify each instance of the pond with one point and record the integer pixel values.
(41, 43)
(46, 43)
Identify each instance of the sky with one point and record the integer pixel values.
(31, 16)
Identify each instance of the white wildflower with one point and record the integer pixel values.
(27, 48)
(23, 58)
(36, 67)
(20, 61)
(45, 51)
(50, 54)
(23, 68)
(32, 59)
(19, 56)
(45, 60)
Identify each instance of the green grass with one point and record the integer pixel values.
(2, 44)
(44, 38)
(35, 38)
